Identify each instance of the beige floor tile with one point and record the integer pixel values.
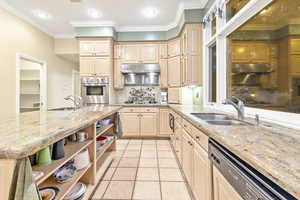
(129, 162)
(165, 154)
(168, 174)
(149, 141)
(164, 148)
(163, 142)
(174, 191)
(119, 153)
(147, 174)
(132, 153)
(146, 191)
(148, 154)
(134, 147)
(167, 163)
(135, 141)
(124, 174)
(100, 190)
(148, 162)
(115, 162)
(121, 147)
(122, 141)
(119, 190)
(109, 173)
(148, 146)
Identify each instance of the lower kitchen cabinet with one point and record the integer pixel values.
(178, 141)
(148, 123)
(130, 124)
(187, 157)
(201, 174)
(164, 127)
(222, 189)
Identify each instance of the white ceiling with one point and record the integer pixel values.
(124, 14)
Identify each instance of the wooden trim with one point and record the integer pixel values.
(7, 168)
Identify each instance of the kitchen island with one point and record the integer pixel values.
(28, 133)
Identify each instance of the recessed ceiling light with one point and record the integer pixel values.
(94, 13)
(42, 14)
(150, 12)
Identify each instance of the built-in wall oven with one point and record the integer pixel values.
(95, 90)
(247, 181)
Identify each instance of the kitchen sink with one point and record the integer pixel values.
(62, 109)
(227, 122)
(211, 116)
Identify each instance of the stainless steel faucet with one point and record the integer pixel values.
(77, 100)
(239, 106)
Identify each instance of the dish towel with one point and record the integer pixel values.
(23, 185)
(119, 125)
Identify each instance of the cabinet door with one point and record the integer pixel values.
(178, 138)
(222, 189)
(103, 66)
(163, 51)
(174, 95)
(194, 39)
(87, 65)
(185, 71)
(260, 53)
(102, 48)
(163, 73)
(174, 72)
(201, 173)
(149, 53)
(130, 124)
(149, 124)
(184, 41)
(240, 53)
(187, 156)
(118, 77)
(294, 64)
(174, 47)
(86, 48)
(164, 128)
(194, 69)
(294, 47)
(131, 54)
(118, 52)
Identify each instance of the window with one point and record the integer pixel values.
(264, 57)
(212, 74)
(234, 6)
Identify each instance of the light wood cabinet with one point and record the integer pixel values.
(174, 72)
(118, 51)
(294, 67)
(222, 189)
(118, 77)
(250, 52)
(149, 53)
(130, 124)
(163, 51)
(95, 48)
(148, 123)
(294, 46)
(187, 157)
(163, 73)
(131, 54)
(192, 39)
(164, 128)
(174, 95)
(140, 53)
(95, 66)
(174, 47)
(202, 174)
(178, 141)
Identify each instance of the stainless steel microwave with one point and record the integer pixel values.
(95, 90)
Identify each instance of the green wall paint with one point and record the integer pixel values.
(189, 16)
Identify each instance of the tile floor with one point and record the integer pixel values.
(143, 170)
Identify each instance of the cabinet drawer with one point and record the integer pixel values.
(200, 137)
(187, 126)
(130, 109)
(151, 110)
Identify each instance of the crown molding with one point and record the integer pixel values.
(64, 36)
(20, 15)
(93, 23)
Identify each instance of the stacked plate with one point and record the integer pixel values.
(77, 192)
(65, 173)
(48, 193)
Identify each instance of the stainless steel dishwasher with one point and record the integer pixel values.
(248, 182)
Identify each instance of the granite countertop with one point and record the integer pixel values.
(141, 105)
(29, 132)
(271, 149)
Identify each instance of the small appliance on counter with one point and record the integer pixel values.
(164, 97)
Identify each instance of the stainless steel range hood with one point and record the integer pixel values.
(141, 74)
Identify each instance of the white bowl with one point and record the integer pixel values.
(82, 159)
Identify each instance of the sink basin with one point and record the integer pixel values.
(211, 116)
(227, 122)
(62, 109)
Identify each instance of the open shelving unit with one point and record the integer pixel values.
(100, 161)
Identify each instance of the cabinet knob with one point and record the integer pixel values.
(197, 137)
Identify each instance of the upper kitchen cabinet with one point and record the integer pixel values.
(118, 51)
(163, 73)
(174, 47)
(294, 46)
(250, 52)
(95, 66)
(174, 72)
(95, 48)
(118, 77)
(163, 51)
(191, 38)
(140, 53)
